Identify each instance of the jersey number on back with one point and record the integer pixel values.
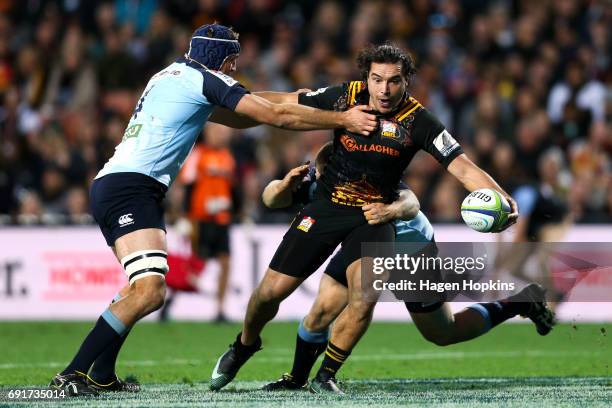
(140, 102)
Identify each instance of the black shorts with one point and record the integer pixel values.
(213, 239)
(318, 229)
(125, 202)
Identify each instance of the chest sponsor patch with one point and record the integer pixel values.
(389, 129)
(352, 145)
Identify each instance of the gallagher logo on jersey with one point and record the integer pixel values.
(352, 145)
(306, 224)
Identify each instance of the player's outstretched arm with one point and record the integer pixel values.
(224, 116)
(234, 120)
(473, 177)
(281, 97)
(279, 193)
(406, 207)
(301, 117)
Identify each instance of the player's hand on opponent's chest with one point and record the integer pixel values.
(359, 120)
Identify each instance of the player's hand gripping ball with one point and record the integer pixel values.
(485, 210)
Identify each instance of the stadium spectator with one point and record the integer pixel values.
(488, 64)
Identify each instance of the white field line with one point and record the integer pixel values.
(141, 363)
(430, 355)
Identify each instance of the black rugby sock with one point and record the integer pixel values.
(103, 370)
(99, 339)
(306, 353)
(333, 360)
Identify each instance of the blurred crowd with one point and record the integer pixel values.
(525, 86)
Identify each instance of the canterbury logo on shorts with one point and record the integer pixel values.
(125, 220)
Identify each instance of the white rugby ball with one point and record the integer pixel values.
(485, 210)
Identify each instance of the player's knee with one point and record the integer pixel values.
(267, 296)
(150, 294)
(270, 292)
(320, 317)
(318, 320)
(156, 295)
(146, 272)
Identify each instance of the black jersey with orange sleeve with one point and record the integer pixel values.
(367, 169)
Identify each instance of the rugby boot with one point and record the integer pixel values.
(230, 362)
(285, 383)
(130, 384)
(75, 385)
(538, 311)
(322, 386)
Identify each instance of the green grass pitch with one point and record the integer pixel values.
(392, 366)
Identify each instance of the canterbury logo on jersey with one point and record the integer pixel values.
(352, 145)
(125, 220)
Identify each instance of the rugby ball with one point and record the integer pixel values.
(485, 210)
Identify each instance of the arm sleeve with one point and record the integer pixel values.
(222, 90)
(430, 135)
(322, 98)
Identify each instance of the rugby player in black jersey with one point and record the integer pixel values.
(362, 170)
(434, 317)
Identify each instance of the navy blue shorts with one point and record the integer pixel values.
(126, 202)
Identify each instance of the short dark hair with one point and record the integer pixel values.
(385, 53)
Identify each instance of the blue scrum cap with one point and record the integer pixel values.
(212, 44)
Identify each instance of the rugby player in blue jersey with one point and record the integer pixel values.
(434, 319)
(127, 194)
